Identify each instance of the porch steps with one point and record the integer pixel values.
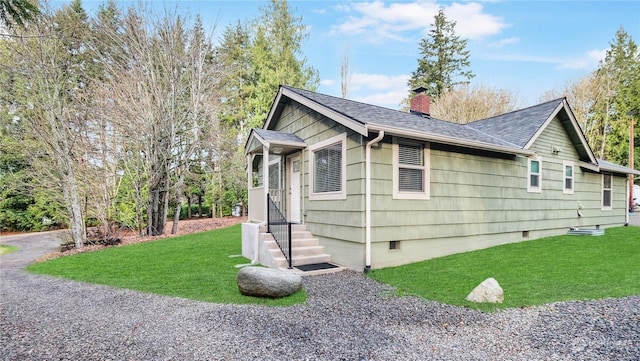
(306, 250)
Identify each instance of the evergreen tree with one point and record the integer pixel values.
(271, 53)
(16, 12)
(444, 59)
(619, 76)
(239, 77)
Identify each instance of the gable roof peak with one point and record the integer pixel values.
(553, 102)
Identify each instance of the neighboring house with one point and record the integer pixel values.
(380, 187)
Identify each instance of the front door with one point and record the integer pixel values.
(293, 174)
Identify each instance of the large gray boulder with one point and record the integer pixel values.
(268, 282)
(488, 291)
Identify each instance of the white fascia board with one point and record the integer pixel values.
(618, 169)
(450, 140)
(274, 106)
(291, 144)
(589, 166)
(574, 123)
(254, 136)
(578, 130)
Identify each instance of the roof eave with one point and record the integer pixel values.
(574, 124)
(328, 112)
(411, 134)
(271, 143)
(618, 169)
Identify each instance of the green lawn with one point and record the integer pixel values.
(541, 271)
(196, 266)
(6, 249)
(531, 273)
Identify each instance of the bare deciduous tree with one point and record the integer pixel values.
(160, 89)
(345, 72)
(465, 103)
(46, 90)
(582, 95)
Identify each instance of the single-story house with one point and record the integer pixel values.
(379, 187)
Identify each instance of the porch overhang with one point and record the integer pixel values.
(276, 142)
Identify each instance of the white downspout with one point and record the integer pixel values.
(367, 201)
(265, 180)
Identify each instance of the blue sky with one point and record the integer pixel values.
(527, 47)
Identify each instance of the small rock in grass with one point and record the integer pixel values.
(267, 282)
(488, 291)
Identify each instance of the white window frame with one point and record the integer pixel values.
(610, 189)
(426, 168)
(565, 178)
(538, 188)
(342, 194)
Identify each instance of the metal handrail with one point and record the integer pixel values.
(280, 229)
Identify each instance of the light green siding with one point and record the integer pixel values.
(339, 224)
(479, 201)
(476, 201)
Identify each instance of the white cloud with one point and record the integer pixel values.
(327, 82)
(586, 61)
(377, 81)
(503, 42)
(472, 22)
(379, 89)
(400, 21)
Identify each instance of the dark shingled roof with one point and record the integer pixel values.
(496, 131)
(277, 137)
(512, 131)
(517, 127)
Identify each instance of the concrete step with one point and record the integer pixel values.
(316, 272)
(305, 248)
(296, 251)
(305, 242)
(319, 258)
(299, 261)
(301, 234)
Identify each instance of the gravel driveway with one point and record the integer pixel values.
(347, 317)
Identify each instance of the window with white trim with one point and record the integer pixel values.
(568, 177)
(410, 170)
(534, 174)
(328, 169)
(607, 190)
(274, 173)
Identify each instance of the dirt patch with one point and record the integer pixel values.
(188, 226)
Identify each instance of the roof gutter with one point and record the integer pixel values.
(452, 141)
(367, 201)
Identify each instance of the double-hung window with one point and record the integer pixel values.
(568, 177)
(534, 183)
(328, 169)
(606, 191)
(410, 170)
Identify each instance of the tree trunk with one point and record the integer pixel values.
(199, 206)
(176, 218)
(73, 204)
(189, 215)
(157, 212)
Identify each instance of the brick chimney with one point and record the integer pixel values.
(421, 102)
